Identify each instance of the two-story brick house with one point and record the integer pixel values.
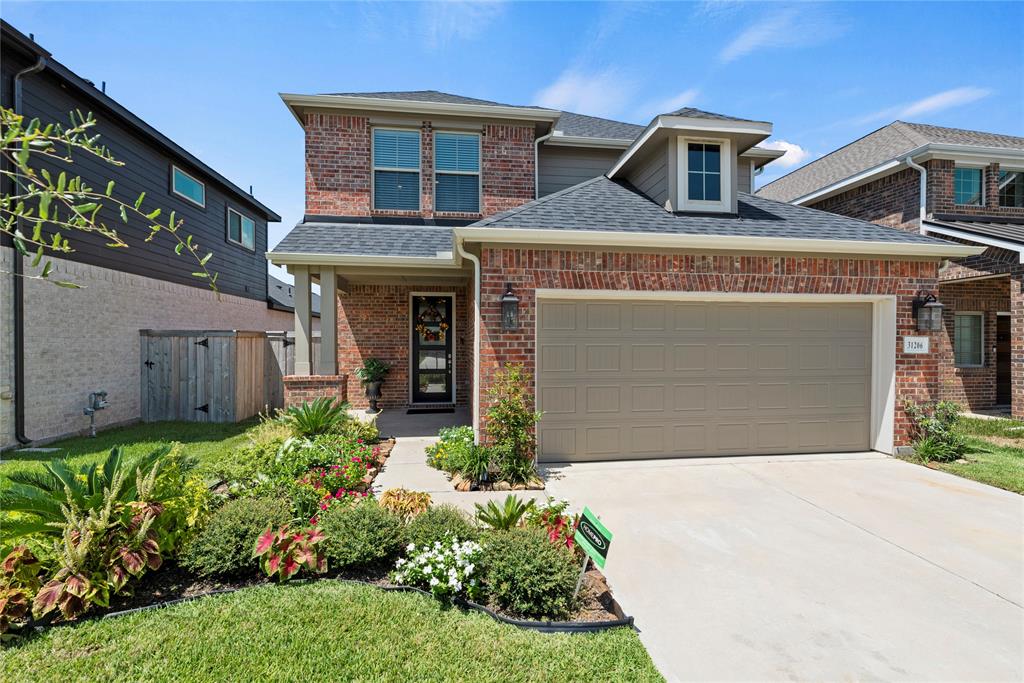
(961, 185)
(662, 309)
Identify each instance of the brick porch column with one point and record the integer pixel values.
(1017, 345)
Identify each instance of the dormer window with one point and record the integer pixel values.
(705, 175)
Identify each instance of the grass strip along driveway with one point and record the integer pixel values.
(995, 455)
(325, 631)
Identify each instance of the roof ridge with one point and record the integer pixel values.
(483, 222)
(911, 124)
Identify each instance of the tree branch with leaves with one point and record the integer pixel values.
(43, 205)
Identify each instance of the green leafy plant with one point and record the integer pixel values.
(361, 430)
(476, 463)
(440, 523)
(503, 517)
(224, 545)
(551, 517)
(320, 416)
(284, 553)
(41, 498)
(361, 535)
(511, 422)
(19, 583)
(449, 453)
(404, 503)
(445, 569)
(373, 370)
(936, 430)
(528, 576)
(50, 206)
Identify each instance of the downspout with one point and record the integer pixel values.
(536, 161)
(923, 172)
(476, 335)
(19, 291)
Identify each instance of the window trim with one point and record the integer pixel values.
(978, 167)
(227, 229)
(981, 335)
(374, 168)
(726, 168)
(479, 173)
(179, 169)
(1004, 169)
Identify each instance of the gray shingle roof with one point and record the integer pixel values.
(281, 296)
(613, 205)
(428, 96)
(583, 126)
(692, 113)
(354, 239)
(1012, 232)
(878, 147)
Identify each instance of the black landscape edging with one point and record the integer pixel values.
(525, 624)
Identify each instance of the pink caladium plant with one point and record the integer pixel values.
(285, 552)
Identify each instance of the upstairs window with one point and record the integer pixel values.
(968, 349)
(703, 172)
(457, 172)
(967, 186)
(1011, 188)
(396, 169)
(187, 187)
(241, 230)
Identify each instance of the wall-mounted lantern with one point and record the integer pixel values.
(509, 309)
(927, 312)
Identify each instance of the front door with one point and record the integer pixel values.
(432, 329)
(1003, 360)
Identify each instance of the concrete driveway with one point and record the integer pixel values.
(828, 568)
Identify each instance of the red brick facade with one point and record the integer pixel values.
(339, 168)
(301, 388)
(374, 321)
(892, 200)
(917, 376)
(974, 388)
(941, 198)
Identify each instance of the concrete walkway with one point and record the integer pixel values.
(816, 568)
(407, 467)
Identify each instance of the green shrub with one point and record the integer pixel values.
(449, 453)
(440, 523)
(361, 430)
(936, 430)
(528, 576)
(361, 535)
(319, 416)
(510, 424)
(247, 463)
(225, 545)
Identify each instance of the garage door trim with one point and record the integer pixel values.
(883, 338)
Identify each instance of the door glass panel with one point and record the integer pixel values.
(432, 360)
(433, 383)
(431, 321)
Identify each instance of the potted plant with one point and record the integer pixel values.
(372, 376)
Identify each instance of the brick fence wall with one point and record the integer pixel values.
(82, 340)
(917, 376)
(302, 388)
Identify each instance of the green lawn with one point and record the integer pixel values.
(996, 454)
(323, 631)
(207, 441)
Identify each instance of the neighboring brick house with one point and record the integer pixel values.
(964, 186)
(662, 309)
(57, 345)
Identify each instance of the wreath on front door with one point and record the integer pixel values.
(428, 317)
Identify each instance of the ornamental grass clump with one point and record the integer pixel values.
(936, 430)
(447, 569)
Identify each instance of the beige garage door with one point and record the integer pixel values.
(630, 379)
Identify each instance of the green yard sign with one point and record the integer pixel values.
(593, 537)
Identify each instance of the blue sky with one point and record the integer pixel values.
(208, 74)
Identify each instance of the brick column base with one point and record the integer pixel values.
(1017, 346)
(299, 389)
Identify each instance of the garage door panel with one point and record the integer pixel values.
(659, 379)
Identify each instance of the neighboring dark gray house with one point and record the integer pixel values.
(59, 345)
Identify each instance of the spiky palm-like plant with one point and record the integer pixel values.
(319, 416)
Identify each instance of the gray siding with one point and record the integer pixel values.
(743, 175)
(146, 169)
(562, 167)
(651, 175)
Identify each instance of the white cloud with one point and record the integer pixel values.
(946, 99)
(600, 93)
(444, 22)
(785, 29)
(794, 153)
(683, 99)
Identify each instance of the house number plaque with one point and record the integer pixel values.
(916, 344)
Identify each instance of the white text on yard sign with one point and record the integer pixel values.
(916, 344)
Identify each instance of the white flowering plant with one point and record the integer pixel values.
(445, 569)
